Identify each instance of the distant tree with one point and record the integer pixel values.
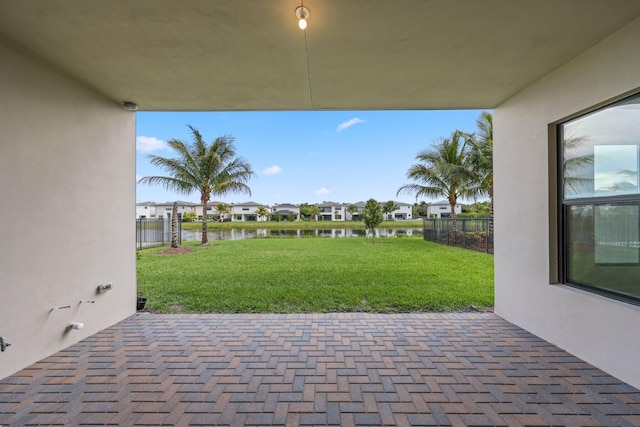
(277, 216)
(211, 169)
(372, 216)
(262, 212)
(291, 217)
(443, 171)
(419, 210)
(223, 209)
(174, 225)
(389, 207)
(189, 216)
(351, 209)
(314, 212)
(304, 210)
(476, 210)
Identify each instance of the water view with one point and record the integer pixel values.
(241, 234)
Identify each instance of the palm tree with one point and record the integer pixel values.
(629, 181)
(223, 209)
(313, 211)
(210, 169)
(443, 171)
(351, 209)
(575, 163)
(174, 225)
(481, 159)
(262, 212)
(389, 207)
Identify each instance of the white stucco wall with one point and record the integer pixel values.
(403, 209)
(71, 150)
(599, 330)
(438, 210)
(146, 211)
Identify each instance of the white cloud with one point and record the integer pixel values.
(322, 191)
(345, 125)
(149, 143)
(272, 170)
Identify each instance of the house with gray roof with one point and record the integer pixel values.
(332, 211)
(145, 210)
(442, 209)
(247, 211)
(285, 210)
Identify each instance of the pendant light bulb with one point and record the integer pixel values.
(302, 13)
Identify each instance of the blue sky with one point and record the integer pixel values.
(305, 156)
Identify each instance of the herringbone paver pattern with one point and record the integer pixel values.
(316, 369)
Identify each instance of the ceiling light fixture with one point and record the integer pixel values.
(131, 106)
(302, 13)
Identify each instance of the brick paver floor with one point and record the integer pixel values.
(316, 369)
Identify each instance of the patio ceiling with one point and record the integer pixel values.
(356, 54)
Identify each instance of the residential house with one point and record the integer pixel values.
(247, 211)
(403, 213)
(146, 210)
(213, 212)
(286, 209)
(442, 209)
(163, 210)
(332, 211)
(355, 216)
(68, 100)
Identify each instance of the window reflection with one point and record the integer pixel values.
(604, 247)
(577, 167)
(601, 153)
(615, 169)
(600, 201)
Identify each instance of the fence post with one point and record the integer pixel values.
(485, 226)
(464, 232)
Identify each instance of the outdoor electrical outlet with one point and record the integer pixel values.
(104, 288)
(4, 344)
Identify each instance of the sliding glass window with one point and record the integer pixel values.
(600, 200)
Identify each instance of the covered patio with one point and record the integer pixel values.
(316, 369)
(72, 74)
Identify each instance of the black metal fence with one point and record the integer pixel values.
(620, 230)
(470, 233)
(151, 233)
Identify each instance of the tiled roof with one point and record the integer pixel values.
(249, 203)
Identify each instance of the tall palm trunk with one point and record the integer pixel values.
(454, 226)
(174, 225)
(205, 236)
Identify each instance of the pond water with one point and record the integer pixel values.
(241, 234)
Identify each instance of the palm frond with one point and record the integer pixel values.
(169, 183)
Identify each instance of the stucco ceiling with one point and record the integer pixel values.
(355, 54)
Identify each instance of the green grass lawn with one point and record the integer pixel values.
(316, 275)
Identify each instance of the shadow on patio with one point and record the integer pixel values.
(315, 369)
